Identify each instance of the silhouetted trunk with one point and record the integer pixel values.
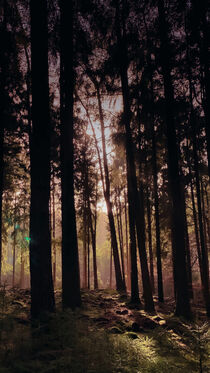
(157, 218)
(133, 196)
(196, 230)
(84, 282)
(182, 296)
(133, 253)
(14, 247)
(70, 260)
(120, 283)
(154, 170)
(205, 220)
(205, 60)
(110, 268)
(93, 240)
(88, 256)
(53, 230)
(204, 254)
(1, 187)
(42, 297)
(188, 254)
(150, 236)
(126, 244)
(120, 235)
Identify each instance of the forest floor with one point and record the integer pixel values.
(106, 335)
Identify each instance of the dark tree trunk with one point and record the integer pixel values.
(110, 269)
(1, 187)
(188, 254)
(53, 230)
(126, 244)
(133, 252)
(88, 256)
(149, 223)
(205, 60)
(134, 197)
(182, 296)
(196, 229)
(84, 280)
(70, 260)
(157, 218)
(204, 254)
(42, 297)
(14, 247)
(119, 226)
(93, 241)
(120, 283)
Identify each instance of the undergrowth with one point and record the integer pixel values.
(67, 343)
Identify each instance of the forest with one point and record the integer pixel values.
(104, 186)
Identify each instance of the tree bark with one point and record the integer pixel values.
(182, 296)
(70, 260)
(120, 283)
(42, 297)
(1, 187)
(134, 195)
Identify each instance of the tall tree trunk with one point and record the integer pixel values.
(93, 240)
(188, 254)
(1, 187)
(70, 260)
(134, 198)
(42, 297)
(110, 268)
(119, 225)
(205, 60)
(182, 296)
(157, 214)
(133, 251)
(84, 247)
(53, 230)
(120, 283)
(196, 229)
(204, 254)
(127, 246)
(14, 245)
(149, 230)
(88, 256)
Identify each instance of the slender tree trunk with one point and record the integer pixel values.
(120, 283)
(134, 195)
(84, 247)
(70, 259)
(205, 219)
(204, 254)
(205, 59)
(182, 296)
(93, 240)
(127, 246)
(42, 297)
(133, 251)
(157, 214)
(1, 187)
(53, 230)
(88, 256)
(14, 247)
(110, 270)
(196, 230)
(149, 223)
(119, 225)
(188, 254)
